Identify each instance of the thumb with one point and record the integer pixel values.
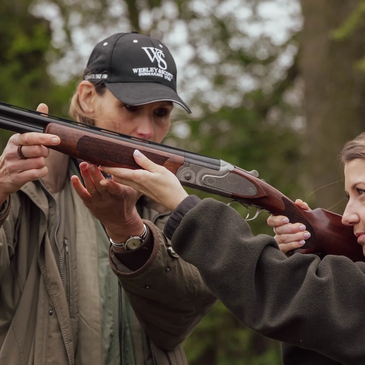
(43, 108)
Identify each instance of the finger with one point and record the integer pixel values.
(277, 220)
(34, 138)
(27, 152)
(132, 179)
(31, 174)
(96, 176)
(135, 179)
(81, 191)
(113, 187)
(290, 228)
(87, 178)
(286, 247)
(124, 175)
(301, 204)
(119, 174)
(27, 164)
(20, 152)
(292, 237)
(22, 158)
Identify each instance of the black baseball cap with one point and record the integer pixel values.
(136, 68)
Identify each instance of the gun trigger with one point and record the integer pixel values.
(248, 209)
(257, 212)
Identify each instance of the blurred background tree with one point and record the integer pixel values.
(332, 47)
(274, 85)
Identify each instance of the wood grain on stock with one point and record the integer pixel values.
(328, 235)
(107, 151)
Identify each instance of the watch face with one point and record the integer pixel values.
(133, 243)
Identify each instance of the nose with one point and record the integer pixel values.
(349, 217)
(145, 128)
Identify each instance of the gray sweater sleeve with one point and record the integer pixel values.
(302, 300)
(178, 214)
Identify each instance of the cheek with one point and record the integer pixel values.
(112, 121)
(123, 127)
(161, 131)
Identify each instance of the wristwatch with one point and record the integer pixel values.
(132, 242)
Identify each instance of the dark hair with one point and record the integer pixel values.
(354, 149)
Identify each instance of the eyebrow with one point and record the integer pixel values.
(355, 184)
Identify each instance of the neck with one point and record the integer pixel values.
(57, 164)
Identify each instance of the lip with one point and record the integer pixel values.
(359, 236)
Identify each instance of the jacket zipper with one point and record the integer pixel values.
(67, 270)
(62, 269)
(152, 353)
(120, 321)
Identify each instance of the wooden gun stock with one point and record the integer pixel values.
(103, 147)
(336, 239)
(328, 234)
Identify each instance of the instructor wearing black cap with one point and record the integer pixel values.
(62, 233)
(137, 69)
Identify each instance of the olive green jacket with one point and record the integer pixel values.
(167, 294)
(59, 303)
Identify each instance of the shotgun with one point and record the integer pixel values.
(108, 148)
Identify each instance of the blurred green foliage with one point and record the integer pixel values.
(353, 21)
(25, 51)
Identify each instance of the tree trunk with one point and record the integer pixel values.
(334, 96)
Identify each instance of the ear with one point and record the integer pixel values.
(87, 97)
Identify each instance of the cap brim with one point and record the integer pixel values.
(144, 93)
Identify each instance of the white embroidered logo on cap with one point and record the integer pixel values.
(156, 54)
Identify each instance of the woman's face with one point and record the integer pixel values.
(149, 121)
(354, 214)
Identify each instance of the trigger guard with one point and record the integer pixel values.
(247, 219)
(247, 206)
